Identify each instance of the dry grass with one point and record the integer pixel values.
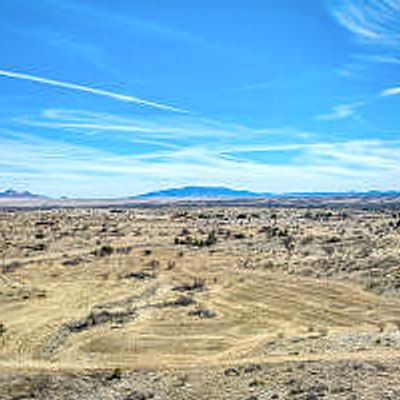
(99, 289)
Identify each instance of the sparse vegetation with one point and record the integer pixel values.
(187, 240)
(104, 251)
(195, 287)
(202, 313)
(140, 275)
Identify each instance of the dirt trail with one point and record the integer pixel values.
(143, 291)
(257, 310)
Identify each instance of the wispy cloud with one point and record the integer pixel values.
(341, 111)
(375, 22)
(87, 89)
(186, 127)
(183, 127)
(63, 168)
(378, 58)
(112, 19)
(390, 92)
(363, 154)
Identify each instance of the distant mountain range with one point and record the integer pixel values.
(220, 192)
(199, 192)
(210, 193)
(14, 194)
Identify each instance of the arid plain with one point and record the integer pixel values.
(200, 303)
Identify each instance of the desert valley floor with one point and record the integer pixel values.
(200, 303)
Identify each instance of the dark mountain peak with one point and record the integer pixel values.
(11, 193)
(200, 192)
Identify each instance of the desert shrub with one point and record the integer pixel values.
(124, 250)
(231, 372)
(289, 243)
(181, 301)
(202, 313)
(323, 215)
(239, 235)
(171, 265)
(12, 266)
(185, 232)
(333, 239)
(396, 224)
(39, 247)
(257, 382)
(273, 231)
(44, 223)
(140, 275)
(116, 211)
(105, 250)
(188, 240)
(196, 285)
(203, 216)
(329, 250)
(153, 264)
(211, 239)
(308, 215)
(116, 374)
(72, 261)
(185, 240)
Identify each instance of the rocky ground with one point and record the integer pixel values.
(200, 303)
(344, 379)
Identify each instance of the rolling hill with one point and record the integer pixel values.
(14, 194)
(199, 192)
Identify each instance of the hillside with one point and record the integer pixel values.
(14, 194)
(200, 192)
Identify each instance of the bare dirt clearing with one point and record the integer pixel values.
(175, 290)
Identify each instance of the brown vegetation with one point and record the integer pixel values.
(202, 303)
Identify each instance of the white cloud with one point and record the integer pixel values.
(390, 92)
(110, 18)
(378, 58)
(372, 21)
(56, 168)
(181, 127)
(341, 111)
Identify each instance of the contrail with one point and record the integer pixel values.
(99, 92)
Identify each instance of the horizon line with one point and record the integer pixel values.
(154, 193)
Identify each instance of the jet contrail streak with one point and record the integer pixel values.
(81, 88)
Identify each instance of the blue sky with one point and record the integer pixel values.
(101, 98)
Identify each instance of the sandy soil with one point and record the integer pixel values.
(200, 303)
